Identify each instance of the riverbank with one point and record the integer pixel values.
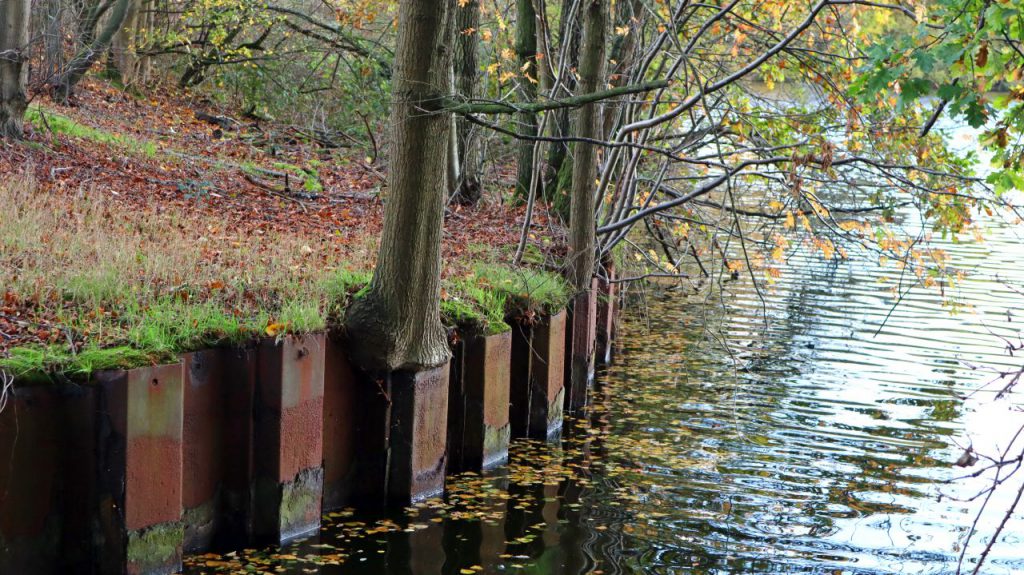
(251, 444)
(174, 356)
(140, 227)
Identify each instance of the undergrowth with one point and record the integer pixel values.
(105, 287)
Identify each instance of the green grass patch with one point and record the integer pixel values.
(59, 124)
(473, 308)
(309, 176)
(171, 326)
(526, 291)
(38, 363)
(341, 288)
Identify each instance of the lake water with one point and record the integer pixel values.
(818, 441)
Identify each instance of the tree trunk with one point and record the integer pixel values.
(148, 23)
(14, 35)
(53, 38)
(469, 158)
(557, 185)
(582, 217)
(628, 15)
(123, 48)
(93, 46)
(397, 324)
(582, 225)
(526, 49)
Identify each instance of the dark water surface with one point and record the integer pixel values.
(812, 445)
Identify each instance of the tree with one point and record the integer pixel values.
(93, 42)
(526, 50)
(466, 182)
(125, 59)
(958, 52)
(14, 37)
(558, 154)
(398, 321)
(582, 223)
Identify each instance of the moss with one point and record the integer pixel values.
(309, 176)
(59, 124)
(617, 256)
(300, 499)
(200, 518)
(93, 359)
(156, 546)
(496, 440)
(555, 412)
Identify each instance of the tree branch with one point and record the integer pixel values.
(466, 108)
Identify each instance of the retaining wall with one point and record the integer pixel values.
(538, 377)
(250, 445)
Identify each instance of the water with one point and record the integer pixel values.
(818, 441)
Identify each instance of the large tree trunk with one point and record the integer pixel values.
(469, 159)
(397, 324)
(582, 217)
(526, 49)
(93, 45)
(13, 72)
(582, 225)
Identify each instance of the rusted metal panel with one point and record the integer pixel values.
(217, 447)
(140, 470)
(547, 377)
(288, 437)
(478, 402)
(418, 441)
(339, 429)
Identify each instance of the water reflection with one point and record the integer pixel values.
(816, 445)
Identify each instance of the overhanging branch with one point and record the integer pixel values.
(466, 108)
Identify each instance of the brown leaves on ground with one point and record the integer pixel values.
(232, 188)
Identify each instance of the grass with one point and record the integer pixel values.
(526, 289)
(59, 124)
(473, 308)
(122, 288)
(341, 288)
(144, 285)
(524, 292)
(38, 363)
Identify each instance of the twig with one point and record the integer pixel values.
(6, 384)
(266, 187)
